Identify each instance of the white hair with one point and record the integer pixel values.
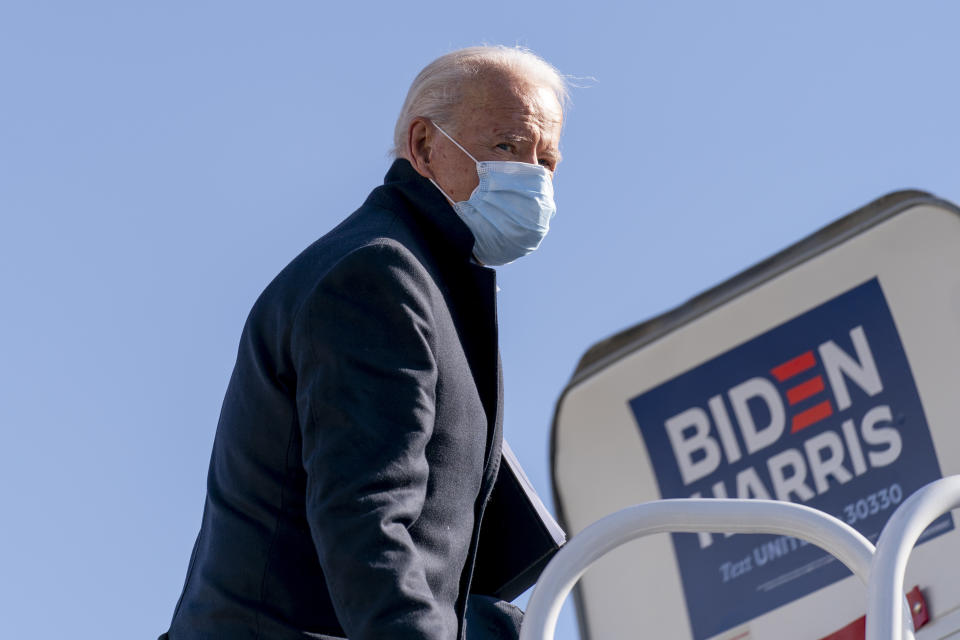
(437, 90)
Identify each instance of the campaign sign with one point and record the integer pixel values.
(821, 410)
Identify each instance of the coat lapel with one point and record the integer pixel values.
(485, 359)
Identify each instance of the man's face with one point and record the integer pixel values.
(500, 118)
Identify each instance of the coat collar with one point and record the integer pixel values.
(418, 197)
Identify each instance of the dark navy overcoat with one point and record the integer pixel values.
(359, 438)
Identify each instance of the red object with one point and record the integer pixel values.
(804, 390)
(792, 367)
(857, 630)
(918, 607)
(815, 413)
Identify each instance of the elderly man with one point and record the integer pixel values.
(360, 435)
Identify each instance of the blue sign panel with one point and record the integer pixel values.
(821, 410)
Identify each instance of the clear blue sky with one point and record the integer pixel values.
(161, 161)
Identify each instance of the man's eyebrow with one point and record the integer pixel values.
(513, 136)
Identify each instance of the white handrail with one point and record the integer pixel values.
(884, 617)
(686, 515)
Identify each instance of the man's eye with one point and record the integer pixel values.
(505, 146)
(546, 163)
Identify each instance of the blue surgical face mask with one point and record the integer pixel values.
(510, 210)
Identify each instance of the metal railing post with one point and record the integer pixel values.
(885, 618)
(686, 515)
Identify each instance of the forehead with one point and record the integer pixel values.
(502, 104)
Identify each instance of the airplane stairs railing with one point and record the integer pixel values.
(881, 569)
(885, 587)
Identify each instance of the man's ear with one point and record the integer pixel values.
(420, 137)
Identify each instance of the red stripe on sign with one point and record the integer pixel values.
(856, 630)
(815, 413)
(791, 368)
(804, 390)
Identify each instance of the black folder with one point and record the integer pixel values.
(518, 536)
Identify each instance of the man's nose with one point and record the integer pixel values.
(530, 157)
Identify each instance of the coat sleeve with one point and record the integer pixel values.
(366, 378)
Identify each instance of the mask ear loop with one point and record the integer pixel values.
(449, 199)
(459, 146)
